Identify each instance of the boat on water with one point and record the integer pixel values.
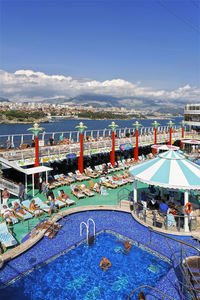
(100, 188)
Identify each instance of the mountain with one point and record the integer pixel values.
(2, 99)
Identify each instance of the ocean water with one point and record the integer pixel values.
(69, 125)
(77, 275)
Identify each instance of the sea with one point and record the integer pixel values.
(69, 125)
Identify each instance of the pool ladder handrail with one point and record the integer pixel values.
(150, 287)
(87, 225)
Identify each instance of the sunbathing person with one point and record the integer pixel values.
(105, 264)
(7, 213)
(97, 187)
(52, 205)
(127, 245)
(33, 206)
(17, 208)
(63, 195)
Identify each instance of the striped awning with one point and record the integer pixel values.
(170, 170)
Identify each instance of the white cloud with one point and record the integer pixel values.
(29, 85)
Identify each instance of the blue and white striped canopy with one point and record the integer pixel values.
(169, 170)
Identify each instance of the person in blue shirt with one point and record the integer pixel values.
(163, 207)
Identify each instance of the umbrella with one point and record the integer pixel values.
(165, 147)
(170, 170)
(192, 142)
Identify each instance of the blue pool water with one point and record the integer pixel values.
(77, 275)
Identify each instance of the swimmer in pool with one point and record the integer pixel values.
(127, 245)
(105, 264)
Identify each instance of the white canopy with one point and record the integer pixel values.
(169, 170)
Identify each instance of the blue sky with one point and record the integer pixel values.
(103, 40)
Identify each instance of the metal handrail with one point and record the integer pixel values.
(174, 239)
(183, 271)
(150, 287)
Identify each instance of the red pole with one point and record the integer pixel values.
(80, 161)
(36, 152)
(183, 132)
(155, 140)
(112, 156)
(136, 147)
(170, 136)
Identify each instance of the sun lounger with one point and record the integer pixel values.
(14, 219)
(111, 168)
(60, 204)
(6, 238)
(91, 183)
(86, 190)
(26, 205)
(78, 194)
(41, 204)
(106, 182)
(67, 200)
(119, 182)
(80, 177)
(119, 176)
(27, 215)
(121, 165)
(89, 172)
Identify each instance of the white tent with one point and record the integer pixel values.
(169, 170)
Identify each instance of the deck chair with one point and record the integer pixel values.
(86, 190)
(26, 205)
(119, 176)
(6, 238)
(110, 168)
(121, 165)
(60, 204)
(14, 219)
(41, 204)
(91, 183)
(67, 201)
(80, 176)
(89, 172)
(27, 215)
(78, 194)
(106, 182)
(119, 182)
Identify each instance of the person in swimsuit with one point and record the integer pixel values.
(17, 208)
(7, 213)
(33, 206)
(127, 245)
(63, 195)
(52, 205)
(5, 196)
(105, 264)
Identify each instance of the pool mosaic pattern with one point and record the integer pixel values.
(119, 222)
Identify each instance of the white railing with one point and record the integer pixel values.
(12, 187)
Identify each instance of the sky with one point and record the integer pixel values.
(133, 48)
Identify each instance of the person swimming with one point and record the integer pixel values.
(105, 264)
(127, 245)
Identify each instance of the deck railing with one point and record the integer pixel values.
(12, 187)
(19, 139)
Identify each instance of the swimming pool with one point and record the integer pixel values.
(77, 275)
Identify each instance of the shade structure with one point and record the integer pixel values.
(192, 142)
(169, 170)
(164, 147)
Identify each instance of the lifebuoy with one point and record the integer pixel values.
(188, 208)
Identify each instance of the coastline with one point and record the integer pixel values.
(7, 122)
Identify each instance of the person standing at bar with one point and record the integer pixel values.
(40, 184)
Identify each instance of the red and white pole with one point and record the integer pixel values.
(136, 146)
(80, 160)
(112, 154)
